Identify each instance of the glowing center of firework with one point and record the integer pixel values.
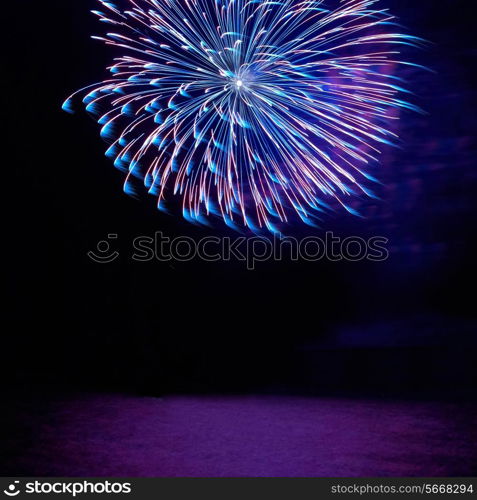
(239, 83)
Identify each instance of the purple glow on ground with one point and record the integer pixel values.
(247, 436)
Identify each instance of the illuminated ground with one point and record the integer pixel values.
(113, 435)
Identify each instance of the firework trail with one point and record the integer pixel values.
(255, 111)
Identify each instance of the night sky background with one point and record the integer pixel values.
(404, 326)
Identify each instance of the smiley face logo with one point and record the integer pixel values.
(12, 490)
(104, 254)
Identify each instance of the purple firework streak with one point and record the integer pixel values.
(258, 112)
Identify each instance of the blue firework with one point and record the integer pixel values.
(259, 112)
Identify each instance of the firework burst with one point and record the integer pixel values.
(259, 112)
